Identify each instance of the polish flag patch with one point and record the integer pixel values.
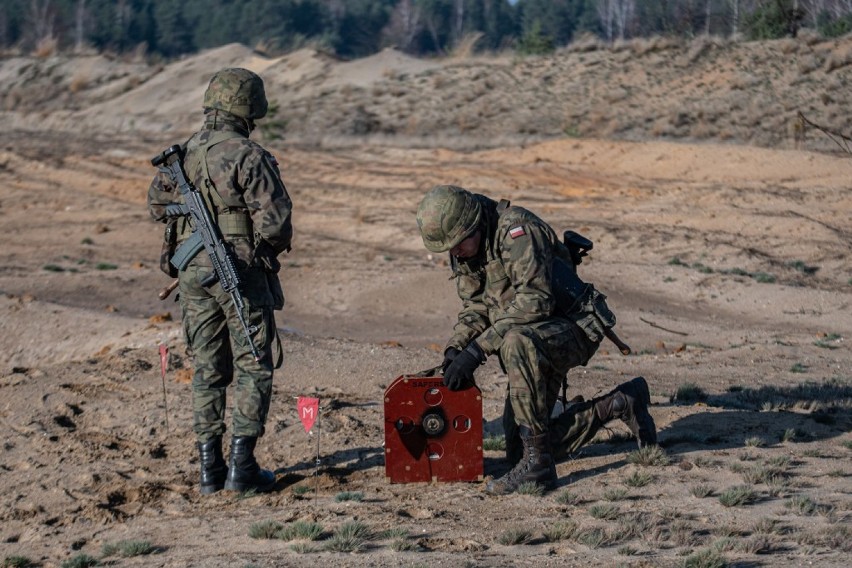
(516, 232)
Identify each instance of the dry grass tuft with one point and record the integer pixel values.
(78, 83)
(560, 530)
(649, 456)
(638, 478)
(466, 46)
(515, 536)
(568, 498)
(738, 496)
(46, 47)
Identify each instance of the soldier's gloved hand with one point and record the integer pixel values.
(449, 355)
(459, 374)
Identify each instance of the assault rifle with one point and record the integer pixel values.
(205, 234)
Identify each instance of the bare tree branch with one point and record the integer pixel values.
(845, 142)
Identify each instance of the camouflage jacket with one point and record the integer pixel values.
(246, 178)
(508, 283)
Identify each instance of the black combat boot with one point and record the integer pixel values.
(214, 470)
(536, 465)
(629, 402)
(245, 474)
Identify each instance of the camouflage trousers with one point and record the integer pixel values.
(221, 352)
(536, 359)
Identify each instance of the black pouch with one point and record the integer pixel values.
(266, 259)
(276, 290)
(168, 250)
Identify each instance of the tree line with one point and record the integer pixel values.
(354, 28)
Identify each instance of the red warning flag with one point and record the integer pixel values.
(164, 359)
(308, 411)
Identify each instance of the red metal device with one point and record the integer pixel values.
(432, 433)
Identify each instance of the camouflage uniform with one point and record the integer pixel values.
(512, 308)
(509, 309)
(242, 188)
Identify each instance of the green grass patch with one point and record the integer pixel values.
(789, 435)
(53, 268)
(764, 277)
(568, 498)
(649, 456)
(105, 266)
(80, 561)
(402, 545)
(755, 442)
(638, 478)
(530, 488)
(803, 505)
(127, 548)
(512, 537)
(265, 529)
(768, 526)
(349, 537)
(701, 490)
(738, 496)
(829, 341)
(305, 547)
(560, 530)
(593, 537)
(763, 474)
(300, 530)
(801, 266)
(615, 494)
(604, 512)
(396, 532)
(17, 562)
(689, 393)
(809, 396)
(349, 496)
(301, 490)
(494, 444)
(707, 558)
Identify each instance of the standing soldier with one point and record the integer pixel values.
(242, 188)
(523, 301)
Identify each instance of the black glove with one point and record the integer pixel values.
(459, 374)
(449, 355)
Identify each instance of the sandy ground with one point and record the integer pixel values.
(728, 267)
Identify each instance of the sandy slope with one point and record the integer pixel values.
(728, 267)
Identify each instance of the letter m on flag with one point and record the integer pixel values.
(308, 411)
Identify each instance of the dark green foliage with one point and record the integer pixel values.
(836, 27)
(16, 562)
(773, 19)
(355, 28)
(535, 42)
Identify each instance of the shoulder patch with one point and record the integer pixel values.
(516, 232)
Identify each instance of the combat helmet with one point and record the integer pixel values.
(447, 215)
(237, 91)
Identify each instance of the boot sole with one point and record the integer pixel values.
(243, 487)
(210, 489)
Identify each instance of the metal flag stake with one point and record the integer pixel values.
(164, 364)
